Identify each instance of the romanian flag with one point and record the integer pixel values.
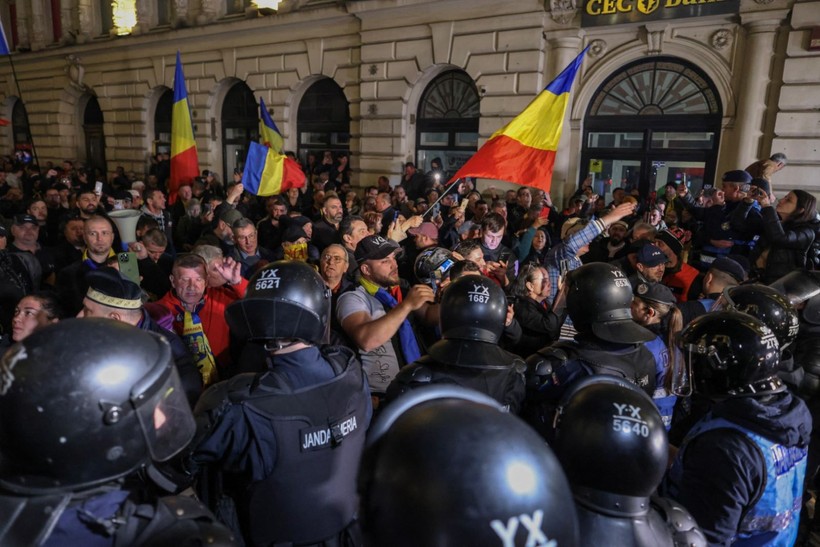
(268, 173)
(523, 151)
(4, 44)
(184, 161)
(269, 134)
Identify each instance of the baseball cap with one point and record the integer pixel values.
(426, 229)
(650, 255)
(3, 231)
(763, 184)
(655, 292)
(374, 248)
(19, 220)
(229, 215)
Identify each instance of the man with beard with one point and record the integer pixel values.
(326, 228)
(377, 316)
(71, 247)
(606, 249)
(270, 229)
(87, 204)
(650, 265)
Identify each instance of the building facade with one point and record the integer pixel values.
(670, 90)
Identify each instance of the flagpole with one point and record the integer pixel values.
(444, 193)
(25, 112)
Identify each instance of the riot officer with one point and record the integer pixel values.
(444, 466)
(611, 442)
(740, 469)
(471, 317)
(598, 301)
(776, 312)
(284, 445)
(85, 407)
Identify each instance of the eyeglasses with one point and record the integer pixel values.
(331, 259)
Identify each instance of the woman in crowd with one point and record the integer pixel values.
(32, 313)
(540, 326)
(788, 232)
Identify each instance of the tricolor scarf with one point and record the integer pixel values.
(194, 337)
(407, 338)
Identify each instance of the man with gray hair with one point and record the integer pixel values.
(764, 169)
(246, 248)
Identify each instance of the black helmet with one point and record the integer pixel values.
(768, 305)
(433, 264)
(731, 353)
(599, 299)
(83, 402)
(473, 307)
(611, 442)
(285, 300)
(444, 466)
(802, 288)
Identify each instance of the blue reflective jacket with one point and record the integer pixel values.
(663, 399)
(773, 517)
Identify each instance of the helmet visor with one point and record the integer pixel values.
(166, 418)
(681, 373)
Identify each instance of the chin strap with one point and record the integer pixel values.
(278, 345)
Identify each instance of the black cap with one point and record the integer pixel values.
(729, 266)
(738, 176)
(19, 220)
(3, 231)
(651, 255)
(375, 248)
(108, 287)
(655, 292)
(294, 233)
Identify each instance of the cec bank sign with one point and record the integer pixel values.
(613, 12)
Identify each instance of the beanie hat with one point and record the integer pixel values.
(674, 238)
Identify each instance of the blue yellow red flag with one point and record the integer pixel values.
(4, 44)
(269, 134)
(184, 160)
(268, 173)
(523, 151)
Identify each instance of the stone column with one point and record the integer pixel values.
(23, 19)
(38, 26)
(68, 20)
(563, 50)
(85, 21)
(758, 56)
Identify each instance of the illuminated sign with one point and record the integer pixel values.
(613, 12)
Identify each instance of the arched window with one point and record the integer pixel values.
(19, 127)
(652, 122)
(323, 120)
(240, 125)
(162, 123)
(447, 122)
(94, 136)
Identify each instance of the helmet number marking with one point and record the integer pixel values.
(628, 420)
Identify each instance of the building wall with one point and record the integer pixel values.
(383, 53)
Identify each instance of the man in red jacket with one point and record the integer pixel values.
(197, 313)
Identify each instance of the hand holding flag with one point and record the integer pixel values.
(523, 151)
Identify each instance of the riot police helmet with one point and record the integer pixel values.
(286, 300)
(444, 465)
(85, 402)
(612, 444)
(765, 303)
(473, 307)
(432, 265)
(730, 354)
(802, 288)
(599, 299)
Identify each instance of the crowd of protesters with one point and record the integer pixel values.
(386, 254)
